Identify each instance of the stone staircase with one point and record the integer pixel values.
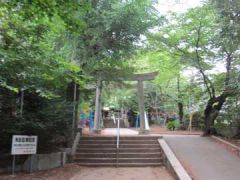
(108, 123)
(134, 151)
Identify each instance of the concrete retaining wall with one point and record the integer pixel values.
(172, 163)
(75, 143)
(232, 147)
(40, 162)
(46, 161)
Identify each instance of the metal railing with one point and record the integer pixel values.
(118, 137)
(118, 132)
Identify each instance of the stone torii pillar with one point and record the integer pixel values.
(140, 78)
(141, 107)
(97, 113)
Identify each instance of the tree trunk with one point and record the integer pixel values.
(211, 112)
(158, 118)
(209, 120)
(180, 112)
(75, 100)
(180, 104)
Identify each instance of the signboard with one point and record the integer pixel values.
(22, 144)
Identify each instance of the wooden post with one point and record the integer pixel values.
(97, 114)
(21, 102)
(74, 107)
(143, 129)
(74, 110)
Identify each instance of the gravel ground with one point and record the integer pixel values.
(75, 172)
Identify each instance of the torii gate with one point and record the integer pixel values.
(135, 77)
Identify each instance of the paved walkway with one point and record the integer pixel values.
(154, 130)
(123, 132)
(204, 158)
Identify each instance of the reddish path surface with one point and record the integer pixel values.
(204, 158)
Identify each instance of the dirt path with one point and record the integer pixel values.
(149, 173)
(75, 172)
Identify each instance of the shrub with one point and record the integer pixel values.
(172, 125)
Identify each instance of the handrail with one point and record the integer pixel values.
(118, 139)
(118, 131)
(117, 136)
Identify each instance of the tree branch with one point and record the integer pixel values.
(207, 82)
(228, 69)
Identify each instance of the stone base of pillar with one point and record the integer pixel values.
(96, 131)
(143, 131)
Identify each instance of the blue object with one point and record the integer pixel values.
(83, 120)
(137, 121)
(90, 119)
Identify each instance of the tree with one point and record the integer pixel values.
(167, 86)
(113, 29)
(49, 46)
(29, 60)
(28, 33)
(199, 39)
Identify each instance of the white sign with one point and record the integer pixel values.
(24, 144)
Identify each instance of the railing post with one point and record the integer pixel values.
(118, 138)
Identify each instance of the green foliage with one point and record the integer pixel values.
(118, 94)
(200, 40)
(113, 31)
(228, 122)
(40, 116)
(181, 38)
(47, 46)
(172, 125)
(29, 59)
(28, 47)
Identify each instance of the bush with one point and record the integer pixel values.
(182, 127)
(172, 125)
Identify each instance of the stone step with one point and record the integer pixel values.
(93, 141)
(121, 150)
(121, 142)
(109, 124)
(120, 146)
(122, 164)
(120, 160)
(135, 151)
(120, 155)
(139, 137)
